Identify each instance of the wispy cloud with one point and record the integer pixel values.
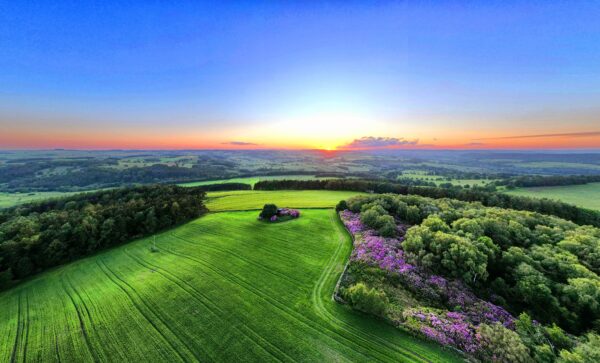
(239, 143)
(370, 142)
(569, 134)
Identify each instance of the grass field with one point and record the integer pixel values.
(12, 199)
(253, 180)
(585, 195)
(224, 287)
(256, 199)
(438, 179)
(555, 164)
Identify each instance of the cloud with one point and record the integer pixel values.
(570, 134)
(239, 143)
(474, 144)
(370, 142)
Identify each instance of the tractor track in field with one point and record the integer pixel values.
(322, 310)
(326, 315)
(218, 293)
(278, 305)
(295, 282)
(27, 325)
(82, 302)
(205, 301)
(104, 267)
(308, 322)
(86, 338)
(156, 269)
(56, 350)
(18, 333)
(280, 255)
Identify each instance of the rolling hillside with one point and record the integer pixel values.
(224, 287)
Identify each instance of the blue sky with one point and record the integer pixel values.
(417, 70)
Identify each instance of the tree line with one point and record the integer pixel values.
(491, 199)
(548, 181)
(224, 187)
(37, 236)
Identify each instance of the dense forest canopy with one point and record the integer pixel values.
(487, 198)
(527, 261)
(490, 281)
(548, 181)
(40, 235)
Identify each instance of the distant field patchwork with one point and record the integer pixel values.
(222, 288)
(585, 195)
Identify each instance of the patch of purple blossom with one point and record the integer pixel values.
(352, 221)
(455, 328)
(294, 213)
(382, 252)
(283, 212)
(449, 328)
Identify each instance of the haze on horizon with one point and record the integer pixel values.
(336, 75)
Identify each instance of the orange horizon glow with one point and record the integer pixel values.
(334, 132)
(107, 141)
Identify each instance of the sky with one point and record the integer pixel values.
(299, 75)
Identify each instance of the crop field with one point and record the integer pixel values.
(584, 195)
(12, 199)
(438, 179)
(224, 287)
(555, 164)
(254, 179)
(256, 199)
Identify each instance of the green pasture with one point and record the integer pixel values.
(557, 164)
(224, 288)
(439, 179)
(256, 199)
(584, 195)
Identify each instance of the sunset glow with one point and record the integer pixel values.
(300, 76)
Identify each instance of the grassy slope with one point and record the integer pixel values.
(222, 288)
(255, 199)
(586, 195)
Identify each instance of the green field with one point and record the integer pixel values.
(256, 199)
(557, 164)
(438, 179)
(254, 179)
(12, 199)
(224, 287)
(585, 195)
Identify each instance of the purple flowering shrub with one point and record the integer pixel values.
(446, 328)
(449, 311)
(294, 213)
(279, 214)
